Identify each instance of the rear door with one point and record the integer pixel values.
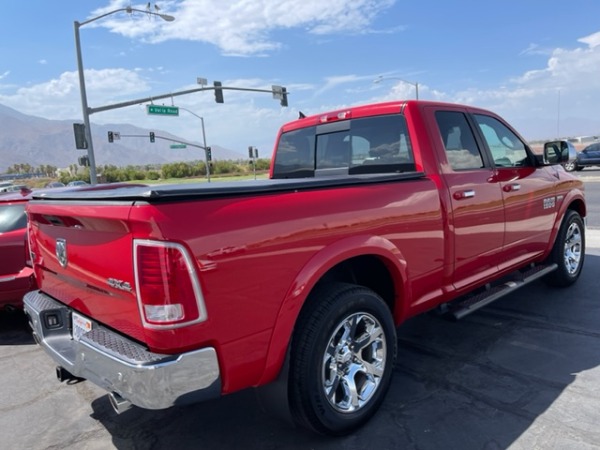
(476, 219)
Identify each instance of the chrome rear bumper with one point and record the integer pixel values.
(120, 365)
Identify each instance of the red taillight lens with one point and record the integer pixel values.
(168, 289)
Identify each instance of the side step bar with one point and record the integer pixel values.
(466, 306)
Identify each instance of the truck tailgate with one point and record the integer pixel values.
(82, 256)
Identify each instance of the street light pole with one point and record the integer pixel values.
(415, 84)
(84, 103)
(203, 138)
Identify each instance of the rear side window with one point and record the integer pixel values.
(379, 144)
(459, 141)
(12, 217)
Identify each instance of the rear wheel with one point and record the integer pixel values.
(342, 357)
(571, 166)
(568, 251)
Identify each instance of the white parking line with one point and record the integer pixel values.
(592, 238)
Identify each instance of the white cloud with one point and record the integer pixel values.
(60, 99)
(244, 27)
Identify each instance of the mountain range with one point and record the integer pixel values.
(34, 140)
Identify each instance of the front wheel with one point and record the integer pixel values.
(568, 251)
(343, 352)
(570, 166)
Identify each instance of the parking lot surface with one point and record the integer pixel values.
(522, 373)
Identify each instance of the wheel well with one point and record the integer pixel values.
(368, 271)
(579, 207)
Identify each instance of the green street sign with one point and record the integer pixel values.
(162, 110)
(178, 146)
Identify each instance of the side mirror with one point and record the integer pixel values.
(559, 152)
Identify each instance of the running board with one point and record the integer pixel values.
(462, 308)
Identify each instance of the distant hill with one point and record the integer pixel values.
(33, 140)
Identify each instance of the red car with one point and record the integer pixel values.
(16, 277)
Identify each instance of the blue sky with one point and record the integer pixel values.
(536, 63)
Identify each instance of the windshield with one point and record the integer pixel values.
(12, 217)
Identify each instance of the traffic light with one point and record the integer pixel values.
(284, 101)
(111, 137)
(152, 136)
(80, 141)
(218, 92)
(208, 154)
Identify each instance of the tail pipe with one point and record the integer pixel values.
(118, 403)
(64, 375)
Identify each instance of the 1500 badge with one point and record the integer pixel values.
(550, 203)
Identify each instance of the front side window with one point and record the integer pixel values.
(378, 144)
(506, 147)
(12, 217)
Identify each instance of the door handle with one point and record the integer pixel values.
(513, 187)
(461, 195)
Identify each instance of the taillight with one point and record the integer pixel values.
(29, 255)
(168, 290)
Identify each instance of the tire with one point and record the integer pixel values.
(345, 339)
(570, 166)
(568, 251)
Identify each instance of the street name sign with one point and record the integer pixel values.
(160, 110)
(178, 146)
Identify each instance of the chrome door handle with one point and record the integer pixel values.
(460, 195)
(513, 187)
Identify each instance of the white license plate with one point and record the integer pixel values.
(81, 325)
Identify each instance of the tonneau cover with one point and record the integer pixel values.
(124, 191)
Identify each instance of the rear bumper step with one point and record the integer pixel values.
(461, 308)
(119, 365)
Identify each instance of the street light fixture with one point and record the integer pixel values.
(204, 139)
(380, 78)
(84, 103)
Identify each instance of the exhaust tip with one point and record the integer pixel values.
(118, 403)
(63, 374)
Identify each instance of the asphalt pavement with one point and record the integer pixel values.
(522, 373)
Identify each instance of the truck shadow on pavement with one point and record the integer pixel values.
(14, 329)
(521, 373)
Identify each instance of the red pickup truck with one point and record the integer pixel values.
(170, 294)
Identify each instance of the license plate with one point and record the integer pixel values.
(81, 325)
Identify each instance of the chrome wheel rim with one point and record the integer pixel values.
(573, 247)
(354, 362)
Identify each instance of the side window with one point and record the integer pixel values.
(506, 147)
(458, 139)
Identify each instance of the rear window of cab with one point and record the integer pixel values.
(378, 144)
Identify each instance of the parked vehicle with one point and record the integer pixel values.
(16, 277)
(170, 294)
(54, 184)
(13, 188)
(77, 183)
(588, 157)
